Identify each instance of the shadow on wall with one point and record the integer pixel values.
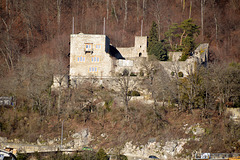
(115, 53)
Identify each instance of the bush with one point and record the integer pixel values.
(184, 57)
(122, 157)
(125, 72)
(180, 74)
(133, 74)
(22, 156)
(102, 155)
(141, 73)
(133, 93)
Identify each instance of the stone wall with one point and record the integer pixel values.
(134, 67)
(139, 49)
(94, 60)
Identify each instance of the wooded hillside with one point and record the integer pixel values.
(43, 27)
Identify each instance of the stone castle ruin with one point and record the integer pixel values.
(92, 55)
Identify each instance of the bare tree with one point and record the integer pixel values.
(125, 14)
(125, 84)
(114, 10)
(157, 81)
(107, 8)
(202, 17)
(59, 9)
(8, 48)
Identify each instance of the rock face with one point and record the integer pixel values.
(168, 150)
(81, 138)
(3, 139)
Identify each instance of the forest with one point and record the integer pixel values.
(34, 46)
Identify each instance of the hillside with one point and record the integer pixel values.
(197, 112)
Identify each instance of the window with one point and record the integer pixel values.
(93, 69)
(95, 59)
(88, 47)
(98, 46)
(81, 59)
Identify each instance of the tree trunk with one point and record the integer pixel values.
(125, 14)
(59, 14)
(107, 8)
(137, 10)
(114, 10)
(202, 17)
(144, 8)
(182, 37)
(190, 10)
(59, 101)
(216, 28)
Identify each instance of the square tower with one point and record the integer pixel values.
(89, 56)
(140, 48)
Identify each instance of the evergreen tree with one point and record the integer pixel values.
(159, 51)
(153, 36)
(183, 35)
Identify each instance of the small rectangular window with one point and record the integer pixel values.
(95, 69)
(81, 59)
(98, 46)
(90, 69)
(95, 59)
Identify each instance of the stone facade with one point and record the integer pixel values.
(89, 56)
(139, 49)
(199, 56)
(93, 56)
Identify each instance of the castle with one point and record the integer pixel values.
(92, 55)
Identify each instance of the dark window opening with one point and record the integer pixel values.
(140, 54)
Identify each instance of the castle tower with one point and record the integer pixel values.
(140, 48)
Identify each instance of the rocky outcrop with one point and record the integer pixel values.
(168, 150)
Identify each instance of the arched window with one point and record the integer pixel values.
(140, 54)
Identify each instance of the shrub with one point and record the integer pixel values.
(122, 157)
(22, 156)
(125, 72)
(184, 57)
(180, 74)
(102, 155)
(141, 73)
(133, 93)
(133, 74)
